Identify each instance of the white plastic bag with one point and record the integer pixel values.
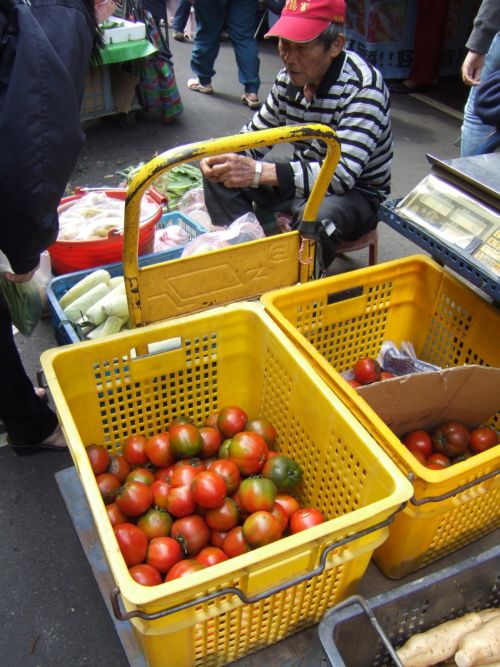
(244, 229)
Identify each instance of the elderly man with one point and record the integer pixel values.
(320, 82)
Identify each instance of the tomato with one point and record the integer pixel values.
(305, 517)
(160, 492)
(288, 503)
(193, 462)
(115, 515)
(419, 441)
(184, 474)
(211, 420)
(354, 383)
(229, 471)
(257, 493)
(144, 475)
(134, 498)
(223, 452)
(185, 567)
(249, 451)
(211, 556)
(192, 532)
(483, 438)
(224, 517)
(366, 370)
(263, 427)
(119, 466)
(217, 538)
(261, 528)
(155, 523)
(158, 450)
(132, 541)
(98, 457)
(231, 420)
(180, 501)
(134, 451)
(164, 474)
(386, 375)
(209, 489)
(283, 471)
(437, 461)
(163, 553)
(235, 544)
(109, 486)
(278, 512)
(212, 440)
(145, 574)
(180, 419)
(419, 456)
(451, 438)
(185, 440)
(271, 453)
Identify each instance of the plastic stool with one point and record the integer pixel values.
(370, 239)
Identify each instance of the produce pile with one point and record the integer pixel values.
(194, 496)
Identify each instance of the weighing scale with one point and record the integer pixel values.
(454, 214)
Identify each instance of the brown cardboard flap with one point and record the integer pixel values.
(470, 394)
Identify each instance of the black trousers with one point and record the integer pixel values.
(27, 419)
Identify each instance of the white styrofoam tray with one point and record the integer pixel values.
(125, 31)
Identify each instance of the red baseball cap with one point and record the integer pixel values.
(304, 20)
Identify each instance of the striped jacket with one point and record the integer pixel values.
(354, 101)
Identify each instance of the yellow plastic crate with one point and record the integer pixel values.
(336, 320)
(138, 381)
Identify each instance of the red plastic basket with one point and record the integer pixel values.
(70, 256)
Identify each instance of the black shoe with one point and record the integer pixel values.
(329, 245)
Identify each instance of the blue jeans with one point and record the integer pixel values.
(474, 132)
(238, 17)
(181, 15)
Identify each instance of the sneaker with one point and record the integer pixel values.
(194, 84)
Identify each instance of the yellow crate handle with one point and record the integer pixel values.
(231, 144)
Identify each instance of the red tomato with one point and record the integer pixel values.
(257, 493)
(386, 375)
(144, 475)
(263, 427)
(278, 512)
(211, 556)
(235, 544)
(119, 466)
(132, 541)
(224, 517)
(180, 501)
(366, 370)
(236, 497)
(134, 498)
(212, 440)
(108, 486)
(305, 517)
(134, 451)
(451, 438)
(217, 538)
(164, 474)
(231, 420)
(115, 515)
(185, 440)
(419, 441)
(98, 457)
(192, 532)
(209, 489)
(158, 450)
(211, 420)
(184, 474)
(354, 383)
(271, 454)
(437, 461)
(155, 523)
(163, 553)
(145, 574)
(185, 567)
(160, 492)
(288, 503)
(283, 471)
(229, 470)
(192, 462)
(261, 528)
(180, 419)
(249, 451)
(483, 438)
(420, 457)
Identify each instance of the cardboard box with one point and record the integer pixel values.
(470, 394)
(125, 31)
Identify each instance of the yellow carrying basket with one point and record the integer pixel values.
(191, 284)
(336, 320)
(137, 382)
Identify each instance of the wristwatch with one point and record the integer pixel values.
(256, 176)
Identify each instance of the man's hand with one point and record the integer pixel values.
(471, 68)
(236, 171)
(20, 277)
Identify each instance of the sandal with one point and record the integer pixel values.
(55, 441)
(194, 84)
(251, 102)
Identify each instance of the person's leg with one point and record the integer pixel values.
(225, 205)
(474, 131)
(429, 35)
(241, 19)
(210, 16)
(181, 16)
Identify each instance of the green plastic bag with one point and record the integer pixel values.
(25, 304)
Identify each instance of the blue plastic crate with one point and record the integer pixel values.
(65, 331)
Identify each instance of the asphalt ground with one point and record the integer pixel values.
(51, 609)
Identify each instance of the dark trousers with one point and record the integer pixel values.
(354, 213)
(27, 419)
